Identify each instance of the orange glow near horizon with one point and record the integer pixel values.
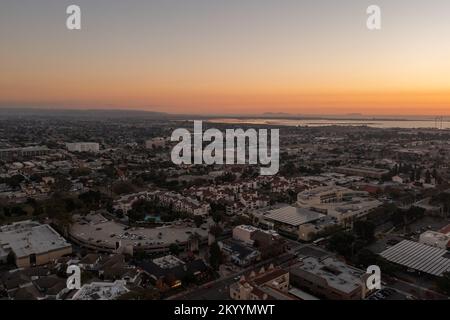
(229, 57)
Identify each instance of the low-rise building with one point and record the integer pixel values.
(239, 253)
(155, 142)
(101, 291)
(23, 153)
(329, 278)
(32, 243)
(344, 204)
(83, 147)
(310, 231)
(270, 284)
(435, 239)
(169, 272)
(288, 219)
(366, 172)
(419, 257)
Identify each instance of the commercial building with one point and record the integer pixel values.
(98, 233)
(326, 194)
(270, 284)
(366, 172)
(344, 204)
(250, 244)
(32, 244)
(244, 233)
(26, 152)
(326, 276)
(83, 147)
(310, 231)
(419, 257)
(288, 219)
(238, 252)
(169, 272)
(435, 239)
(248, 234)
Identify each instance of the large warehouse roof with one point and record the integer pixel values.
(420, 257)
(293, 216)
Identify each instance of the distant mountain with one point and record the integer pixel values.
(278, 114)
(79, 113)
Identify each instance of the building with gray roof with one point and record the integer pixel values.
(32, 243)
(419, 257)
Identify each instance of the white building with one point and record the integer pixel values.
(83, 147)
(244, 233)
(101, 291)
(155, 142)
(32, 243)
(270, 284)
(341, 203)
(330, 278)
(435, 239)
(326, 194)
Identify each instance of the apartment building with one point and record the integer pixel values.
(83, 147)
(26, 152)
(270, 284)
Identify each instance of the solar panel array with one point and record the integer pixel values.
(418, 256)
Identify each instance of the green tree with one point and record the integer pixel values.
(174, 249)
(80, 172)
(198, 220)
(366, 257)
(343, 243)
(123, 187)
(365, 230)
(428, 177)
(61, 184)
(15, 180)
(443, 283)
(215, 230)
(217, 217)
(215, 256)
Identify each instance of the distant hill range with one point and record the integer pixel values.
(82, 114)
(96, 114)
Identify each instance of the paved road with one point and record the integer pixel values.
(415, 290)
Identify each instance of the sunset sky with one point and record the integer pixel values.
(228, 56)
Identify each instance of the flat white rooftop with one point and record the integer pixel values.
(95, 229)
(336, 273)
(28, 237)
(101, 291)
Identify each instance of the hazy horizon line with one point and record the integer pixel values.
(265, 114)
